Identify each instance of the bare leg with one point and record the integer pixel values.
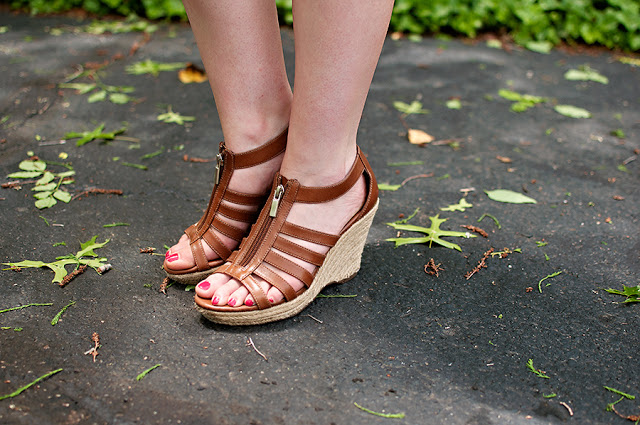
(240, 46)
(338, 43)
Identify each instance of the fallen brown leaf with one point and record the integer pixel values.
(192, 74)
(419, 137)
(504, 159)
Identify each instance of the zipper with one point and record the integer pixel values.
(277, 196)
(275, 203)
(219, 165)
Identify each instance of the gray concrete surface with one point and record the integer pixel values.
(443, 350)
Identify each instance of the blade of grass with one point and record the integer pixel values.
(25, 306)
(143, 374)
(19, 390)
(383, 415)
(57, 317)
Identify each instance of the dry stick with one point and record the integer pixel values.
(568, 408)
(149, 250)
(94, 350)
(68, 278)
(250, 343)
(482, 264)
(164, 285)
(187, 158)
(98, 191)
(317, 320)
(476, 230)
(418, 176)
(633, 418)
(431, 268)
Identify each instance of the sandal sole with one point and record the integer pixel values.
(340, 265)
(191, 278)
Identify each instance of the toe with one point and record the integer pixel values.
(210, 285)
(238, 297)
(222, 295)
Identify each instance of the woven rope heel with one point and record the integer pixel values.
(222, 204)
(258, 254)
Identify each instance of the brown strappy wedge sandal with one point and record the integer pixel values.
(202, 231)
(258, 256)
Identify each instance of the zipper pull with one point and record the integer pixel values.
(276, 200)
(219, 164)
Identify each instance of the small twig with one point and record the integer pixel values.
(165, 285)
(251, 344)
(317, 320)
(148, 250)
(482, 264)
(418, 176)
(97, 191)
(187, 158)
(68, 278)
(476, 230)
(53, 143)
(431, 268)
(94, 350)
(633, 418)
(568, 408)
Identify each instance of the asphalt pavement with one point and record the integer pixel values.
(503, 345)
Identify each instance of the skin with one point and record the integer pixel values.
(337, 44)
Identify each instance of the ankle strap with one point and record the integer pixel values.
(313, 195)
(261, 154)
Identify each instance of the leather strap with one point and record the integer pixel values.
(262, 252)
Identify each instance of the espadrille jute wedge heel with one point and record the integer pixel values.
(221, 204)
(260, 254)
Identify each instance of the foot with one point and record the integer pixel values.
(329, 217)
(252, 180)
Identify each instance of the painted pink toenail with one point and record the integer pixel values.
(204, 285)
(167, 254)
(231, 302)
(271, 300)
(248, 303)
(215, 300)
(172, 257)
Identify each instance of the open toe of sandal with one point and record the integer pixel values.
(224, 203)
(261, 253)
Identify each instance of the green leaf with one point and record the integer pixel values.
(42, 195)
(414, 108)
(47, 202)
(454, 104)
(174, 117)
(62, 195)
(462, 205)
(585, 73)
(120, 98)
(49, 186)
(82, 88)
(46, 178)
(632, 293)
(154, 68)
(509, 196)
(434, 234)
(98, 96)
(538, 372)
(572, 111)
(86, 249)
(25, 175)
(539, 46)
(31, 165)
